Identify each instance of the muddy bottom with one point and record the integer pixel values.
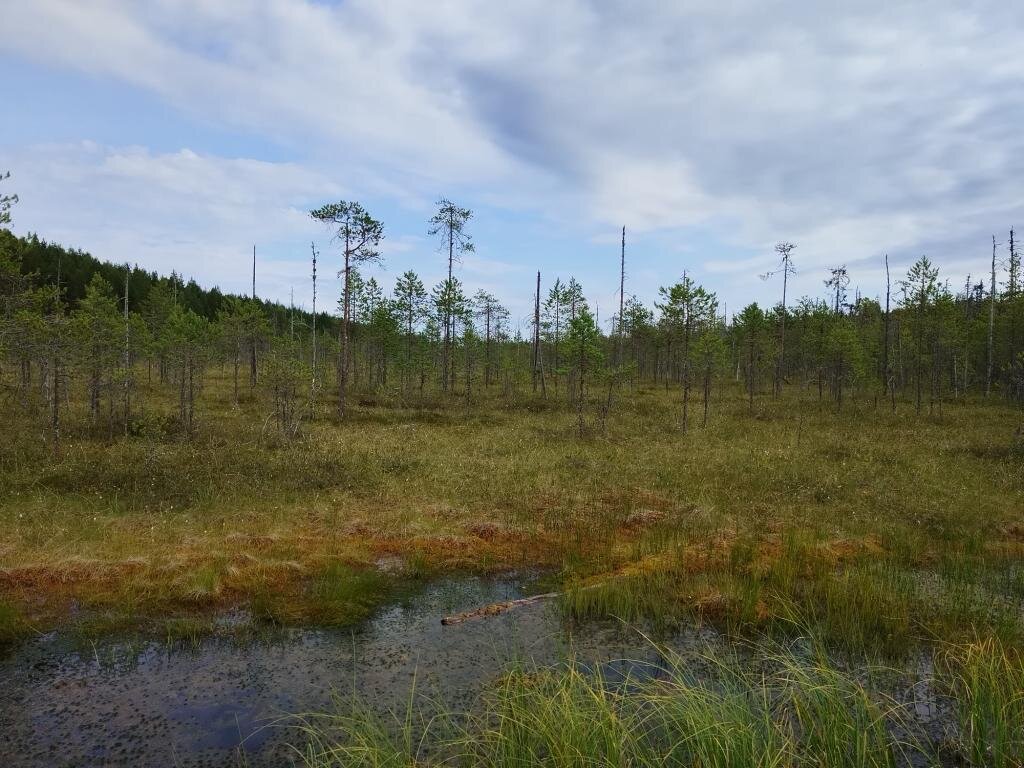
(119, 703)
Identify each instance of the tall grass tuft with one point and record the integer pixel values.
(987, 682)
(838, 723)
(12, 626)
(705, 710)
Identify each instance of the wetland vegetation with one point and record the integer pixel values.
(835, 489)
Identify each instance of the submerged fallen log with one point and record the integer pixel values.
(496, 608)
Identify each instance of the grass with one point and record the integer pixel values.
(880, 529)
(12, 626)
(704, 710)
(851, 594)
(875, 534)
(987, 680)
(187, 631)
(768, 706)
(336, 595)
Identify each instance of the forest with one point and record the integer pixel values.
(77, 329)
(839, 474)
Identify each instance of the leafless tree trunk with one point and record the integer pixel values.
(252, 357)
(312, 368)
(622, 298)
(886, 367)
(1013, 268)
(55, 404)
(687, 323)
(538, 366)
(127, 354)
(487, 346)
(707, 393)
(449, 320)
(784, 249)
(991, 321)
(750, 378)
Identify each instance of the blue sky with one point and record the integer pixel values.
(176, 133)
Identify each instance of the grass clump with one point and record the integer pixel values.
(987, 681)
(708, 711)
(837, 721)
(341, 594)
(849, 593)
(12, 625)
(337, 594)
(187, 631)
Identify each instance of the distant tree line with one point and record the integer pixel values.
(48, 261)
(74, 330)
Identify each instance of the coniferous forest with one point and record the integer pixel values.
(84, 336)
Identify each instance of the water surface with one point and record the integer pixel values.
(119, 703)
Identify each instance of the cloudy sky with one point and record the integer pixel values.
(178, 133)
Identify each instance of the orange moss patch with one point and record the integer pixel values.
(838, 551)
(40, 578)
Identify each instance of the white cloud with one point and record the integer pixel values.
(196, 214)
(851, 130)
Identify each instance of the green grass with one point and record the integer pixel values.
(851, 595)
(187, 631)
(708, 710)
(765, 707)
(12, 625)
(343, 595)
(987, 680)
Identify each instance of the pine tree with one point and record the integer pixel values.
(585, 355)
(6, 202)
(750, 325)
(360, 235)
(921, 288)
(410, 299)
(686, 308)
(96, 327)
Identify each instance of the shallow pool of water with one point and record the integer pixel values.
(122, 704)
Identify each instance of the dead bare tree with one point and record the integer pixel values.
(312, 375)
(1013, 267)
(991, 321)
(127, 352)
(890, 382)
(252, 345)
(538, 359)
(622, 298)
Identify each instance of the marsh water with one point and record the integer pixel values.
(122, 703)
(227, 702)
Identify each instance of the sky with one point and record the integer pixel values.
(177, 134)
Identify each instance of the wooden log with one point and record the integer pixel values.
(496, 608)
